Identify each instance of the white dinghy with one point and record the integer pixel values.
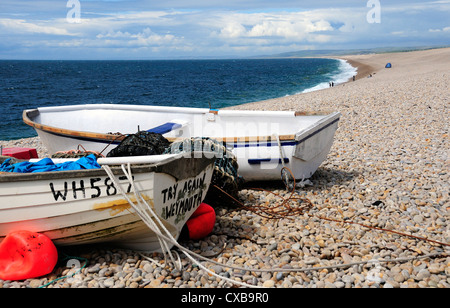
(263, 141)
(113, 204)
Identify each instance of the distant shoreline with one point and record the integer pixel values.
(364, 70)
(405, 65)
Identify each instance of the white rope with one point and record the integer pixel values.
(310, 269)
(143, 205)
(280, 148)
(164, 238)
(283, 170)
(140, 210)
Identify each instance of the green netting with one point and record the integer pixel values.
(225, 177)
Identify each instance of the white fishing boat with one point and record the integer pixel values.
(263, 141)
(113, 204)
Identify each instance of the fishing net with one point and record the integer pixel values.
(225, 176)
(140, 144)
(76, 154)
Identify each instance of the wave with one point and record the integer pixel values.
(344, 74)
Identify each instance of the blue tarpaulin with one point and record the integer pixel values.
(47, 165)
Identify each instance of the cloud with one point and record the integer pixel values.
(142, 39)
(176, 28)
(318, 26)
(21, 26)
(287, 27)
(445, 29)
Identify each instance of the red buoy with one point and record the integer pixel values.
(202, 222)
(25, 255)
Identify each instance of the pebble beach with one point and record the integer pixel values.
(376, 213)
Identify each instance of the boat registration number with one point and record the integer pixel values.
(82, 189)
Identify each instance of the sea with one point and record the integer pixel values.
(28, 84)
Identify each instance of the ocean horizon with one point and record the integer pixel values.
(28, 84)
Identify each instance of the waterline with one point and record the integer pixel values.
(346, 72)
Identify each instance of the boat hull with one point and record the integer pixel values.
(263, 141)
(85, 207)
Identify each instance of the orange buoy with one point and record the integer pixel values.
(202, 222)
(25, 255)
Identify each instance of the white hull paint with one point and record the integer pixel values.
(84, 207)
(263, 141)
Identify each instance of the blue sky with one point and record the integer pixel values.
(146, 29)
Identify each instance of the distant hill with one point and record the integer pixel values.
(324, 53)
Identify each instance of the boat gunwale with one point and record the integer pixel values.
(171, 166)
(66, 132)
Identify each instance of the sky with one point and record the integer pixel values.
(173, 29)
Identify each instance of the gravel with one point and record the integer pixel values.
(388, 171)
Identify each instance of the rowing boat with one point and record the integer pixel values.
(264, 142)
(100, 205)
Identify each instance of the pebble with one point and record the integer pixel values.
(388, 168)
(269, 284)
(423, 274)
